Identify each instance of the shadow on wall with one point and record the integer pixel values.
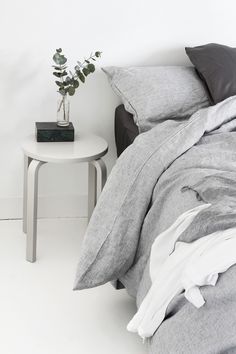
(168, 56)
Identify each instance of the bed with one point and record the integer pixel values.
(174, 185)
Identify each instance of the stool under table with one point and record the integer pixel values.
(85, 148)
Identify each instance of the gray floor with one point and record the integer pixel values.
(40, 314)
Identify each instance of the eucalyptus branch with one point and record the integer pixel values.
(70, 82)
(92, 57)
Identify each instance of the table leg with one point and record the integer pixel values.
(32, 204)
(101, 175)
(27, 161)
(97, 180)
(92, 183)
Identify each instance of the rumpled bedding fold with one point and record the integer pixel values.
(167, 171)
(185, 269)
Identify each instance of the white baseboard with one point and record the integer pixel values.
(48, 207)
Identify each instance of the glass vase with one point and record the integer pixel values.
(63, 112)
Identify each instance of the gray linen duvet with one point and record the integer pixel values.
(168, 170)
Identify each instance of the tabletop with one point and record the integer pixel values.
(86, 147)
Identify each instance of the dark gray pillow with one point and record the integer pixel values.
(216, 65)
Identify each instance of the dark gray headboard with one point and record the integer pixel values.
(125, 129)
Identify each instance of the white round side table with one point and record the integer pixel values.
(85, 148)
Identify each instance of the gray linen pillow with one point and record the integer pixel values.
(154, 94)
(216, 64)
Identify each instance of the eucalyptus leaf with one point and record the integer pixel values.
(75, 83)
(59, 59)
(56, 74)
(57, 67)
(62, 60)
(86, 71)
(91, 68)
(81, 76)
(56, 57)
(71, 90)
(60, 68)
(64, 73)
(59, 83)
(60, 74)
(62, 91)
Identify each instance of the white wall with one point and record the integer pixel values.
(128, 32)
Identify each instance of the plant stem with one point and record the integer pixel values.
(62, 77)
(91, 57)
(59, 107)
(64, 108)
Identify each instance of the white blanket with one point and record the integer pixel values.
(188, 267)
